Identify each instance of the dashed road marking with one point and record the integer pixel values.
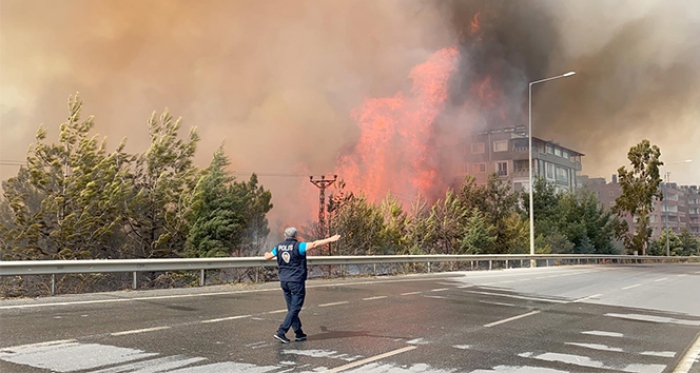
(412, 293)
(518, 296)
(137, 331)
(333, 304)
(661, 279)
(631, 287)
(443, 289)
(587, 298)
(373, 298)
(511, 319)
(278, 311)
(370, 359)
(227, 318)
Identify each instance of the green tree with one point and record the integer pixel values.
(256, 203)
(395, 226)
(690, 245)
(640, 185)
(479, 233)
(164, 181)
(80, 187)
(499, 204)
(446, 224)
(216, 212)
(362, 227)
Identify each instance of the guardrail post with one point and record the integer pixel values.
(201, 277)
(490, 264)
(506, 263)
(53, 284)
(134, 284)
(428, 267)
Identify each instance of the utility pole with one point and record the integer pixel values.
(322, 184)
(665, 215)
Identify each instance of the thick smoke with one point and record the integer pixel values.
(277, 80)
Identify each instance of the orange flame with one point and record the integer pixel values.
(393, 152)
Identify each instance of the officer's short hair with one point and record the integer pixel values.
(290, 232)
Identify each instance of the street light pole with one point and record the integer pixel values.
(532, 186)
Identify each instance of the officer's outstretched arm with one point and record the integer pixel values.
(317, 243)
(269, 256)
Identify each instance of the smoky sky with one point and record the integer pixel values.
(276, 81)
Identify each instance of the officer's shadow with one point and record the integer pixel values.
(337, 334)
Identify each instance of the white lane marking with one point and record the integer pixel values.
(370, 359)
(521, 369)
(683, 275)
(604, 334)
(435, 296)
(518, 296)
(226, 318)
(462, 347)
(587, 298)
(373, 298)
(595, 346)
(631, 287)
(511, 319)
(66, 357)
(175, 296)
(661, 279)
(690, 357)
(333, 304)
(658, 319)
(498, 303)
(40, 344)
(418, 341)
(161, 364)
(659, 353)
(98, 301)
(443, 289)
(278, 311)
(137, 331)
(412, 293)
(592, 363)
(322, 354)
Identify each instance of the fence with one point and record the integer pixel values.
(134, 266)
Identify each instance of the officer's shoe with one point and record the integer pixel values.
(301, 337)
(281, 337)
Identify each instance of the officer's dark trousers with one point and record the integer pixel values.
(294, 294)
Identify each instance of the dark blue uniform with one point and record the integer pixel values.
(291, 261)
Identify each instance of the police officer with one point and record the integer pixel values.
(291, 263)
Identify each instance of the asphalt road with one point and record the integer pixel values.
(641, 318)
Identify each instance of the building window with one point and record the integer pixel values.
(557, 152)
(478, 148)
(479, 168)
(611, 193)
(549, 149)
(565, 154)
(502, 168)
(562, 175)
(693, 211)
(500, 146)
(550, 171)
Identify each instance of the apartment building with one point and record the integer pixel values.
(679, 209)
(504, 152)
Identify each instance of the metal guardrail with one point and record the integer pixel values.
(55, 267)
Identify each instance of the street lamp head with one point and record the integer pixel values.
(570, 73)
